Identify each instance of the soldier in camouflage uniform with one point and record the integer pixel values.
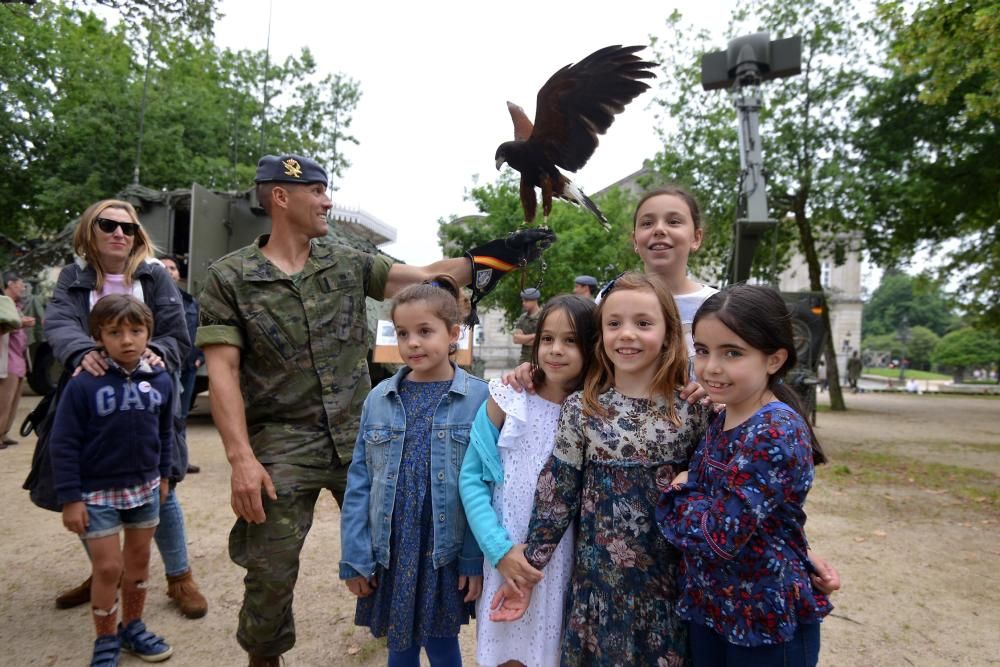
(283, 328)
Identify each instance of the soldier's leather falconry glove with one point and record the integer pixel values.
(493, 260)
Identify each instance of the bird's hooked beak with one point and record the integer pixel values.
(500, 162)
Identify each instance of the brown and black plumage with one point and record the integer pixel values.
(576, 104)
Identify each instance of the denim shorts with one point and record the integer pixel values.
(106, 520)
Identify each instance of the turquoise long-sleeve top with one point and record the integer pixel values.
(481, 471)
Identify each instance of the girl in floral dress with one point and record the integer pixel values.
(619, 444)
(512, 439)
(407, 551)
(738, 518)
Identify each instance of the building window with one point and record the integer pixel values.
(824, 275)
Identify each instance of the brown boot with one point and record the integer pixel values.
(265, 660)
(74, 597)
(182, 590)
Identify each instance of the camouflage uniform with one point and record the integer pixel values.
(528, 325)
(304, 378)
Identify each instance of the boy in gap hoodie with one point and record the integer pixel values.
(111, 445)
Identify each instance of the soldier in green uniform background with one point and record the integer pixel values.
(283, 329)
(524, 328)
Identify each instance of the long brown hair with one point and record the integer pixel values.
(758, 315)
(672, 373)
(676, 191)
(85, 241)
(580, 313)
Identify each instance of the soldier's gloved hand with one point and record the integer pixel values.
(493, 260)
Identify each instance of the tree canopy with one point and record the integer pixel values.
(71, 93)
(925, 151)
(967, 348)
(916, 300)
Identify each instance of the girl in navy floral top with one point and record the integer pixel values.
(738, 516)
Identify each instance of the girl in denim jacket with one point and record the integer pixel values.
(407, 551)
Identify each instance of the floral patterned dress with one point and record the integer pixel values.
(414, 602)
(608, 473)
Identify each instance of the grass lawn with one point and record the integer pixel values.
(917, 375)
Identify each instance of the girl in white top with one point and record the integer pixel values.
(511, 440)
(666, 229)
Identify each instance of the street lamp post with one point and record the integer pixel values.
(903, 333)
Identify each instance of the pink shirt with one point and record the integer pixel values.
(17, 351)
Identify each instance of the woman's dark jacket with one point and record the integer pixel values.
(66, 316)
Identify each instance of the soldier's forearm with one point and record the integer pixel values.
(227, 402)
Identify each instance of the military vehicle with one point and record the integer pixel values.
(197, 225)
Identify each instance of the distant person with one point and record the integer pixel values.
(111, 444)
(195, 358)
(854, 371)
(585, 286)
(115, 255)
(821, 375)
(524, 328)
(13, 359)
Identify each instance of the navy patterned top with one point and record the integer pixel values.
(740, 523)
(412, 601)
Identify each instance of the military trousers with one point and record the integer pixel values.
(270, 553)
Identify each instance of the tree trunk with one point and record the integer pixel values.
(808, 246)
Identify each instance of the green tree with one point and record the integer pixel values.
(71, 89)
(919, 300)
(803, 124)
(928, 141)
(966, 348)
(920, 347)
(583, 247)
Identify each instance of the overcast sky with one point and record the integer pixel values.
(434, 80)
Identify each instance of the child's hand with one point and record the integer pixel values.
(693, 392)
(362, 587)
(74, 516)
(517, 571)
(826, 579)
(164, 489)
(475, 585)
(507, 606)
(680, 480)
(519, 379)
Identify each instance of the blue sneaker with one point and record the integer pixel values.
(139, 641)
(106, 651)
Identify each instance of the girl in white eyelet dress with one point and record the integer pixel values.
(498, 485)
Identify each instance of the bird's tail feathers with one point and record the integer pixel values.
(575, 195)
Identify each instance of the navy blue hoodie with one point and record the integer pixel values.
(112, 432)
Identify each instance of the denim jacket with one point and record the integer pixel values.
(366, 517)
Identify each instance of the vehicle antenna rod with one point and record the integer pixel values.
(142, 109)
(267, 66)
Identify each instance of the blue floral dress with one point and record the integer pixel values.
(609, 472)
(413, 601)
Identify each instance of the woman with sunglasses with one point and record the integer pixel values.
(114, 255)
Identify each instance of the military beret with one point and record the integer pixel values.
(531, 294)
(590, 281)
(289, 169)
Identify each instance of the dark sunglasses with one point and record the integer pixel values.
(108, 226)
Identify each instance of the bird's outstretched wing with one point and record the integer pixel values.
(579, 102)
(522, 124)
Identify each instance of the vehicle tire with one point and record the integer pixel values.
(45, 371)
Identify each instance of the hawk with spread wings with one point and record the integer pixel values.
(575, 105)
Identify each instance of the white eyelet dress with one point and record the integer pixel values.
(524, 445)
